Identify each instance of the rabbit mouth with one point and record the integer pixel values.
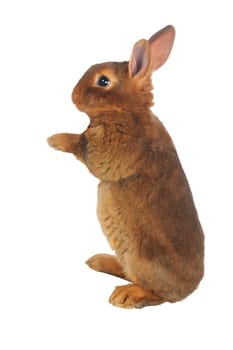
(76, 98)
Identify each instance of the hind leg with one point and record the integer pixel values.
(128, 296)
(134, 296)
(106, 263)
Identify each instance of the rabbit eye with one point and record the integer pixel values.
(103, 81)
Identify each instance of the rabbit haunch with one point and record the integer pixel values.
(145, 205)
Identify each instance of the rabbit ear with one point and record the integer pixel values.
(161, 44)
(140, 58)
(147, 56)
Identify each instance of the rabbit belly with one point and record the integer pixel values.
(146, 255)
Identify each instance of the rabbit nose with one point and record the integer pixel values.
(74, 95)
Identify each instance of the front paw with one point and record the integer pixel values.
(59, 142)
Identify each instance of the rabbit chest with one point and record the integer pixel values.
(114, 148)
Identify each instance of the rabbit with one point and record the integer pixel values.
(145, 206)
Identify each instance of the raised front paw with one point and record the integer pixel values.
(60, 142)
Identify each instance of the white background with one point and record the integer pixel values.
(49, 299)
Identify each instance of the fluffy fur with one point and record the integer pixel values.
(145, 206)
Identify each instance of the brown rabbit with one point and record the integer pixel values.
(145, 206)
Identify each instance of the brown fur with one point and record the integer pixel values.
(145, 205)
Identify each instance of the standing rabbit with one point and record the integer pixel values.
(145, 205)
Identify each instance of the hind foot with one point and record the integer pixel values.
(106, 263)
(134, 296)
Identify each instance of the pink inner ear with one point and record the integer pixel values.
(161, 44)
(138, 61)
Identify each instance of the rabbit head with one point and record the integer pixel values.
(124, 86)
